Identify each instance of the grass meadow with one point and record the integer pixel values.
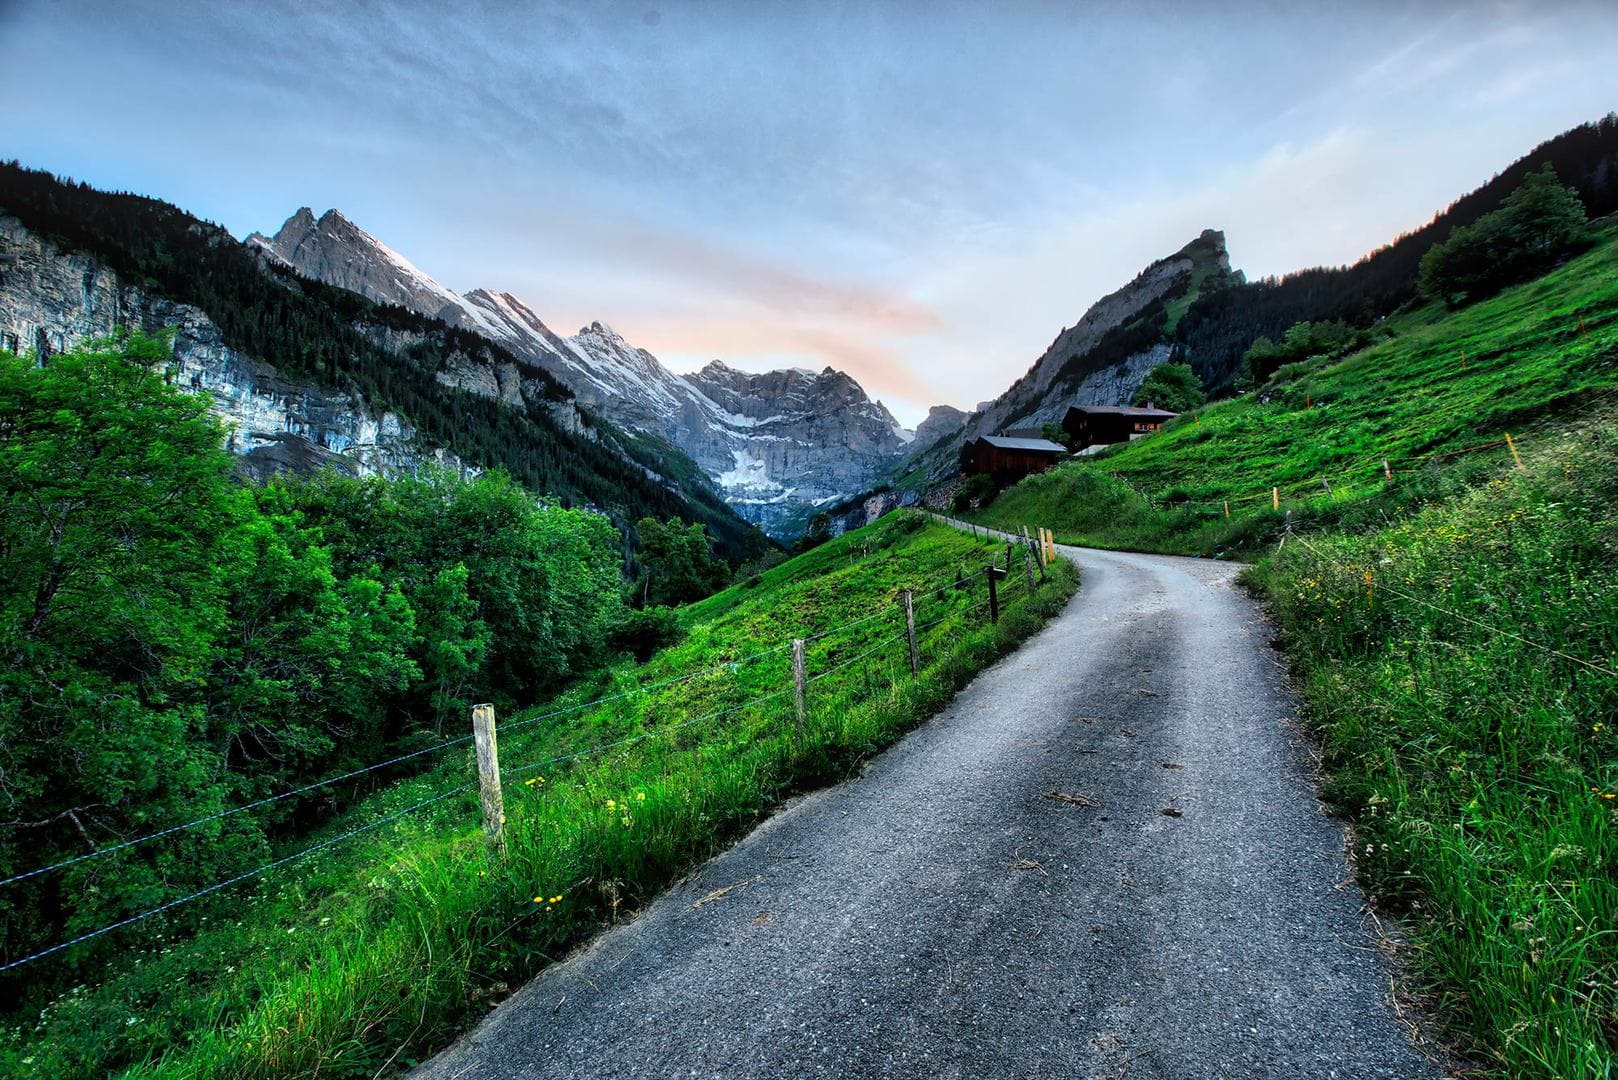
(366, 955)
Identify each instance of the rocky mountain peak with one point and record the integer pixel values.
(777, 443)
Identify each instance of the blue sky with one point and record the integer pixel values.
(920, 194)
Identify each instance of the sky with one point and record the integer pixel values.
(920, 194)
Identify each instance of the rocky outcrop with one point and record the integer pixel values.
(778, 445)
(62, 299)
(941, 420)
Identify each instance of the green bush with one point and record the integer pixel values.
(1174, 387)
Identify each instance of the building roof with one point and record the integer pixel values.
(1121, 410)
(1038, 445)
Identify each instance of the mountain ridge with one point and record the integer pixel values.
(313, 374)
(777, 444)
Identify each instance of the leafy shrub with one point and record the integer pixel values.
(977, 492)
(1174, 387)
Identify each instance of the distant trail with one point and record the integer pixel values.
(960, 910)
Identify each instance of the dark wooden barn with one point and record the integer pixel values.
(1088, 425)
(1009, 459)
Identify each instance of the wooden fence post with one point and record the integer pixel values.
(993, 573)
(1514, 453)
(800, 682)
(494, 803)
(1387, 470)
(1275, 497)
(910, 632)
(1028, 568)
(1227, 509)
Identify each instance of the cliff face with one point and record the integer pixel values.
(777, 445)
(783, 443)
(941, 420)
(59, 299)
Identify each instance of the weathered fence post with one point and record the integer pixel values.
(1028, 568)
(494, 803)
(910, 632)
(1275, 497)
(1387, 470)
(800, 682)
(994, 574)
(1514, 453)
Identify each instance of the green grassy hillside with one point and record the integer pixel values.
(1453, 631)
(373, 951)
(1528, 369)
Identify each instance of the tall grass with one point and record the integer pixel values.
(372, 953)
(1465, 703)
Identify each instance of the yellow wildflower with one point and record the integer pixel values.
(640, 796)
(611, 805)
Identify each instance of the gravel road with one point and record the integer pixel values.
(950, 914)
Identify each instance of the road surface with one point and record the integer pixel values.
(950, 914)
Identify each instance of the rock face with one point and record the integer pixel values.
(60, 299)
(783, 442)
(941, 420)
(778, 445)
(1099, 360)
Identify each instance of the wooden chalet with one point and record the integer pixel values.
(1009, 459)
(1090, 425)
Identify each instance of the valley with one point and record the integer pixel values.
(391, 682)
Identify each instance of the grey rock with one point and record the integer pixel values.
(67, 298)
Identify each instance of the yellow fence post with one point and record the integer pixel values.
(1514, 453)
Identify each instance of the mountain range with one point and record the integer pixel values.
(778, 444)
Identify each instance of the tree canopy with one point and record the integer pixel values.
(1171, 386)
(1536, 225)
(174, 642)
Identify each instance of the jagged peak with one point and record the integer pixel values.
(599, 329)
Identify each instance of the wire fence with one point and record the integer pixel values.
(887, 611)
(1319, 486)
(1548, 650)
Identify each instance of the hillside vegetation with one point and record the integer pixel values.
(1453, 628)
(396, 928)
(390, 357)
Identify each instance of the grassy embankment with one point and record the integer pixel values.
(1465, 703)
(370, 953)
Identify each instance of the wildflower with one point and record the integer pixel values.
(557, 899)
(640, 796)
(531, 783)
(611, 805)
(131, 1022)
(539, 899)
